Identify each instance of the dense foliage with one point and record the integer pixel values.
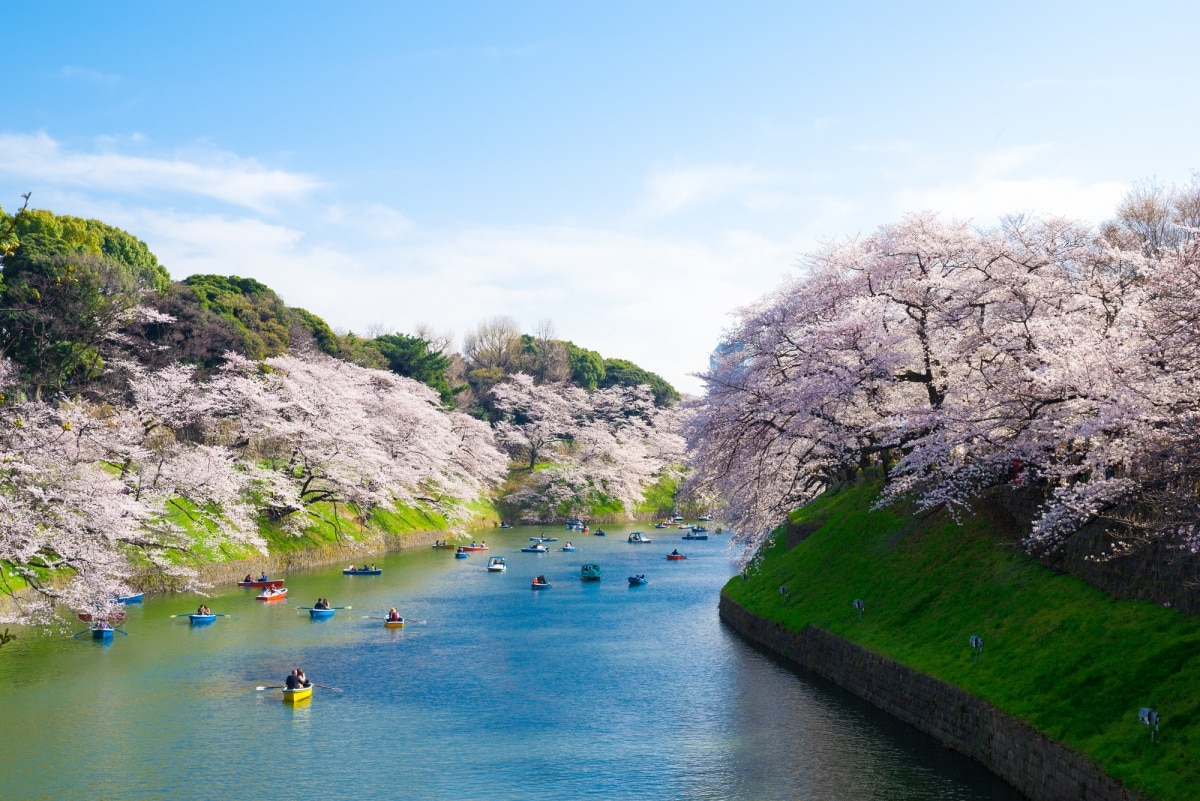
(1041, 351)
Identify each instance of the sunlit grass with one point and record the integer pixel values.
(1064, 656)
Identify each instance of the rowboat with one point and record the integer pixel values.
(473, 547)
(692, 535)
(598, 532)
(271, 594)
(262, 583)
(568, 547)
(297, 695)
(496, 565)
(461, 553)
(543, 538)
(699, 529)
(505, 525)
(202, 620)
(394, 624)
(102, 632)
(540, 585)
(537, 547)
(363, 571)
(321, 614)
(638, 538)
(112, 617)
(660, 525)
(129, 599)
(589, 572)
(637, 580)
(443, 546)
(675, 556)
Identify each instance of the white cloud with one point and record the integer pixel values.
(95, 77)
(1008, 181)
(221, 176)
(669, 191)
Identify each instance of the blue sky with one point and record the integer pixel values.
(631, 171)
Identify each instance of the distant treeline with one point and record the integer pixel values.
(70, 285)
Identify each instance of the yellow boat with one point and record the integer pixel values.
(393, 624)
(297, 695)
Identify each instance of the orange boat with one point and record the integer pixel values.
(272, 594)
(676, 556)
(473, 547)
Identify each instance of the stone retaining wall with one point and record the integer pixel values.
(1040, 768)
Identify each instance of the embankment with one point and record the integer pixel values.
(1051, 703)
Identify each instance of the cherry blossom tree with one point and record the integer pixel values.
(1042, 350)
(581, 447)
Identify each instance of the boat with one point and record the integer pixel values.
(599, 532)
(505, 525)
(443, 546)
(700, 529)
(394, 624)
(129, 599)
(473, 547)
(261, 583)
(685, 527)
(676, 556)
(705, 518)
(496, 565)
(589, 572)
(677, 518)
(272, 594)
(537, 547)
(102, 632)
(638, 537)
(321, 614)
(543, 538)
(111, 617)
(461, 553)
(692, 535)
(660, 525)
(202, 620)
(540, 583)
(568, 547)
(363, 571)
(297, 695)
(637, 581)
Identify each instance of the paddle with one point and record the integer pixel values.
(272, 687)
(326, 687)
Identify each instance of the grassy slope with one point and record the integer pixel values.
(1075, 663)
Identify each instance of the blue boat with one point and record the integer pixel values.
(461, 554)
(543, 538)
(362, 571)
(202, 620)
(599, 532)
(589, 572)
(102, 632)
(692, 535)
(537, 547)
(540, 583)
(320, 614)
(129, 599)
(637, 581)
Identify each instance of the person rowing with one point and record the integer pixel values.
(296, 680)
(393, 615)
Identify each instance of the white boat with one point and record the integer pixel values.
(638, 537)
(496, 565)
(537, 547)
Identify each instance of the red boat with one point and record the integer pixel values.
(473, 547)
(261, 583)
(272, 594)
(676, 556)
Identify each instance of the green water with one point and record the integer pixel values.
(585, 690)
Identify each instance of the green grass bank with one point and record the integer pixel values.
(1064, 657)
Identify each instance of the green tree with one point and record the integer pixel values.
(626, 373)
(587, 366)
(416, 358)
(256, 312)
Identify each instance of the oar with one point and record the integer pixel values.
(272, 687)
(126, 633)
(326, 686)
(76, 634)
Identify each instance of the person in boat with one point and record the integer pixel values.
(393, 614)
(263, 577)
(350, 568)
(296, 679)
(473, 545)
(249, 578)
(483, 544)
(675, 552)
